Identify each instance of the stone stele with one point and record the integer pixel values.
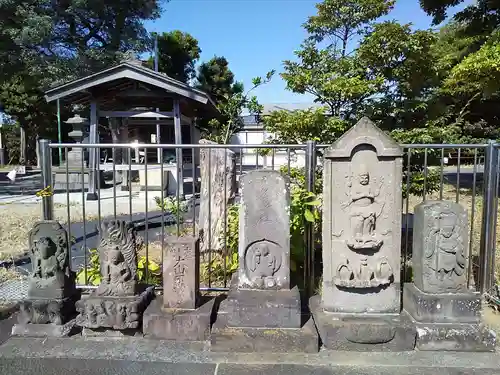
(218, 189)
(360, 304)
(184, 316)
(49, 309)
(260, 299)
(447, 314)
(119, 301)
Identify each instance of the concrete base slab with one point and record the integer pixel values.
(104, 332)
(46, 330)
(179, 325)
(363, 332)
(225, 338)
(79, 356)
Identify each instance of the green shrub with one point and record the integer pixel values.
(171, 205)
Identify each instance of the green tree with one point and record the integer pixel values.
(221, 129)
(178, 53)
(216, 79)
(46, 42)
(327, 66)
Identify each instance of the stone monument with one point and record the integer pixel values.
(263, 312)
(49, 309)
(119, 301)
(360, 304)
(218, 189)
(446, 312)
(184, 314)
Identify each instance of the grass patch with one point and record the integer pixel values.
(7, 274)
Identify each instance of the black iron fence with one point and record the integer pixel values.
(163, 198)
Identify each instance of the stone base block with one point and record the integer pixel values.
(363, 332)
(118, 313)
(263, 308)
(176, 324)
(46, 330)
(40, 311)
(455, 337)
(263, 340)
(441, 308)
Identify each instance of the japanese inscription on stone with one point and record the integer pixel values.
(264, 231)
(439, 247)
(181, 273)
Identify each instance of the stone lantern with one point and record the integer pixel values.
(80, 130)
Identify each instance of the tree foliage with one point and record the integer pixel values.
(216, 79)
(44, 43)
(178, 53)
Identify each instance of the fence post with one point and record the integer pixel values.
(489, 219)
(47, 200)
(310, 170)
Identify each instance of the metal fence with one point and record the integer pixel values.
(464, 173)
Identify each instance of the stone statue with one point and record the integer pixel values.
(117, 252)
(444, 247)
(49, 309)
(51, 276)
(119, 300)
(263, 260)
(363, 210)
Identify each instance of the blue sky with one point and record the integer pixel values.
(257, 35)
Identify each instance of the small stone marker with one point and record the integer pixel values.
(181, 273)
(49, 309)
(447, 314)
(361, 293)
(261, 312)
(264, 231)
(184, 316)
(119, 301)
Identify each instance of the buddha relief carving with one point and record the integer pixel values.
(363, 209)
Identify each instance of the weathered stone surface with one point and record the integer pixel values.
(116, 312)
(107, 332)
(218, 189)
(118, 257)
(462, 337)
(264, 309)
(179, 325)
(263, 340)
(264, 231)
(440, 243)
(359, 332)
(52, 277)
(441, 308)
(47, 311)
(46, 330)
(50, 306)
(181, 272)
(362, 222)
(118, 302)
